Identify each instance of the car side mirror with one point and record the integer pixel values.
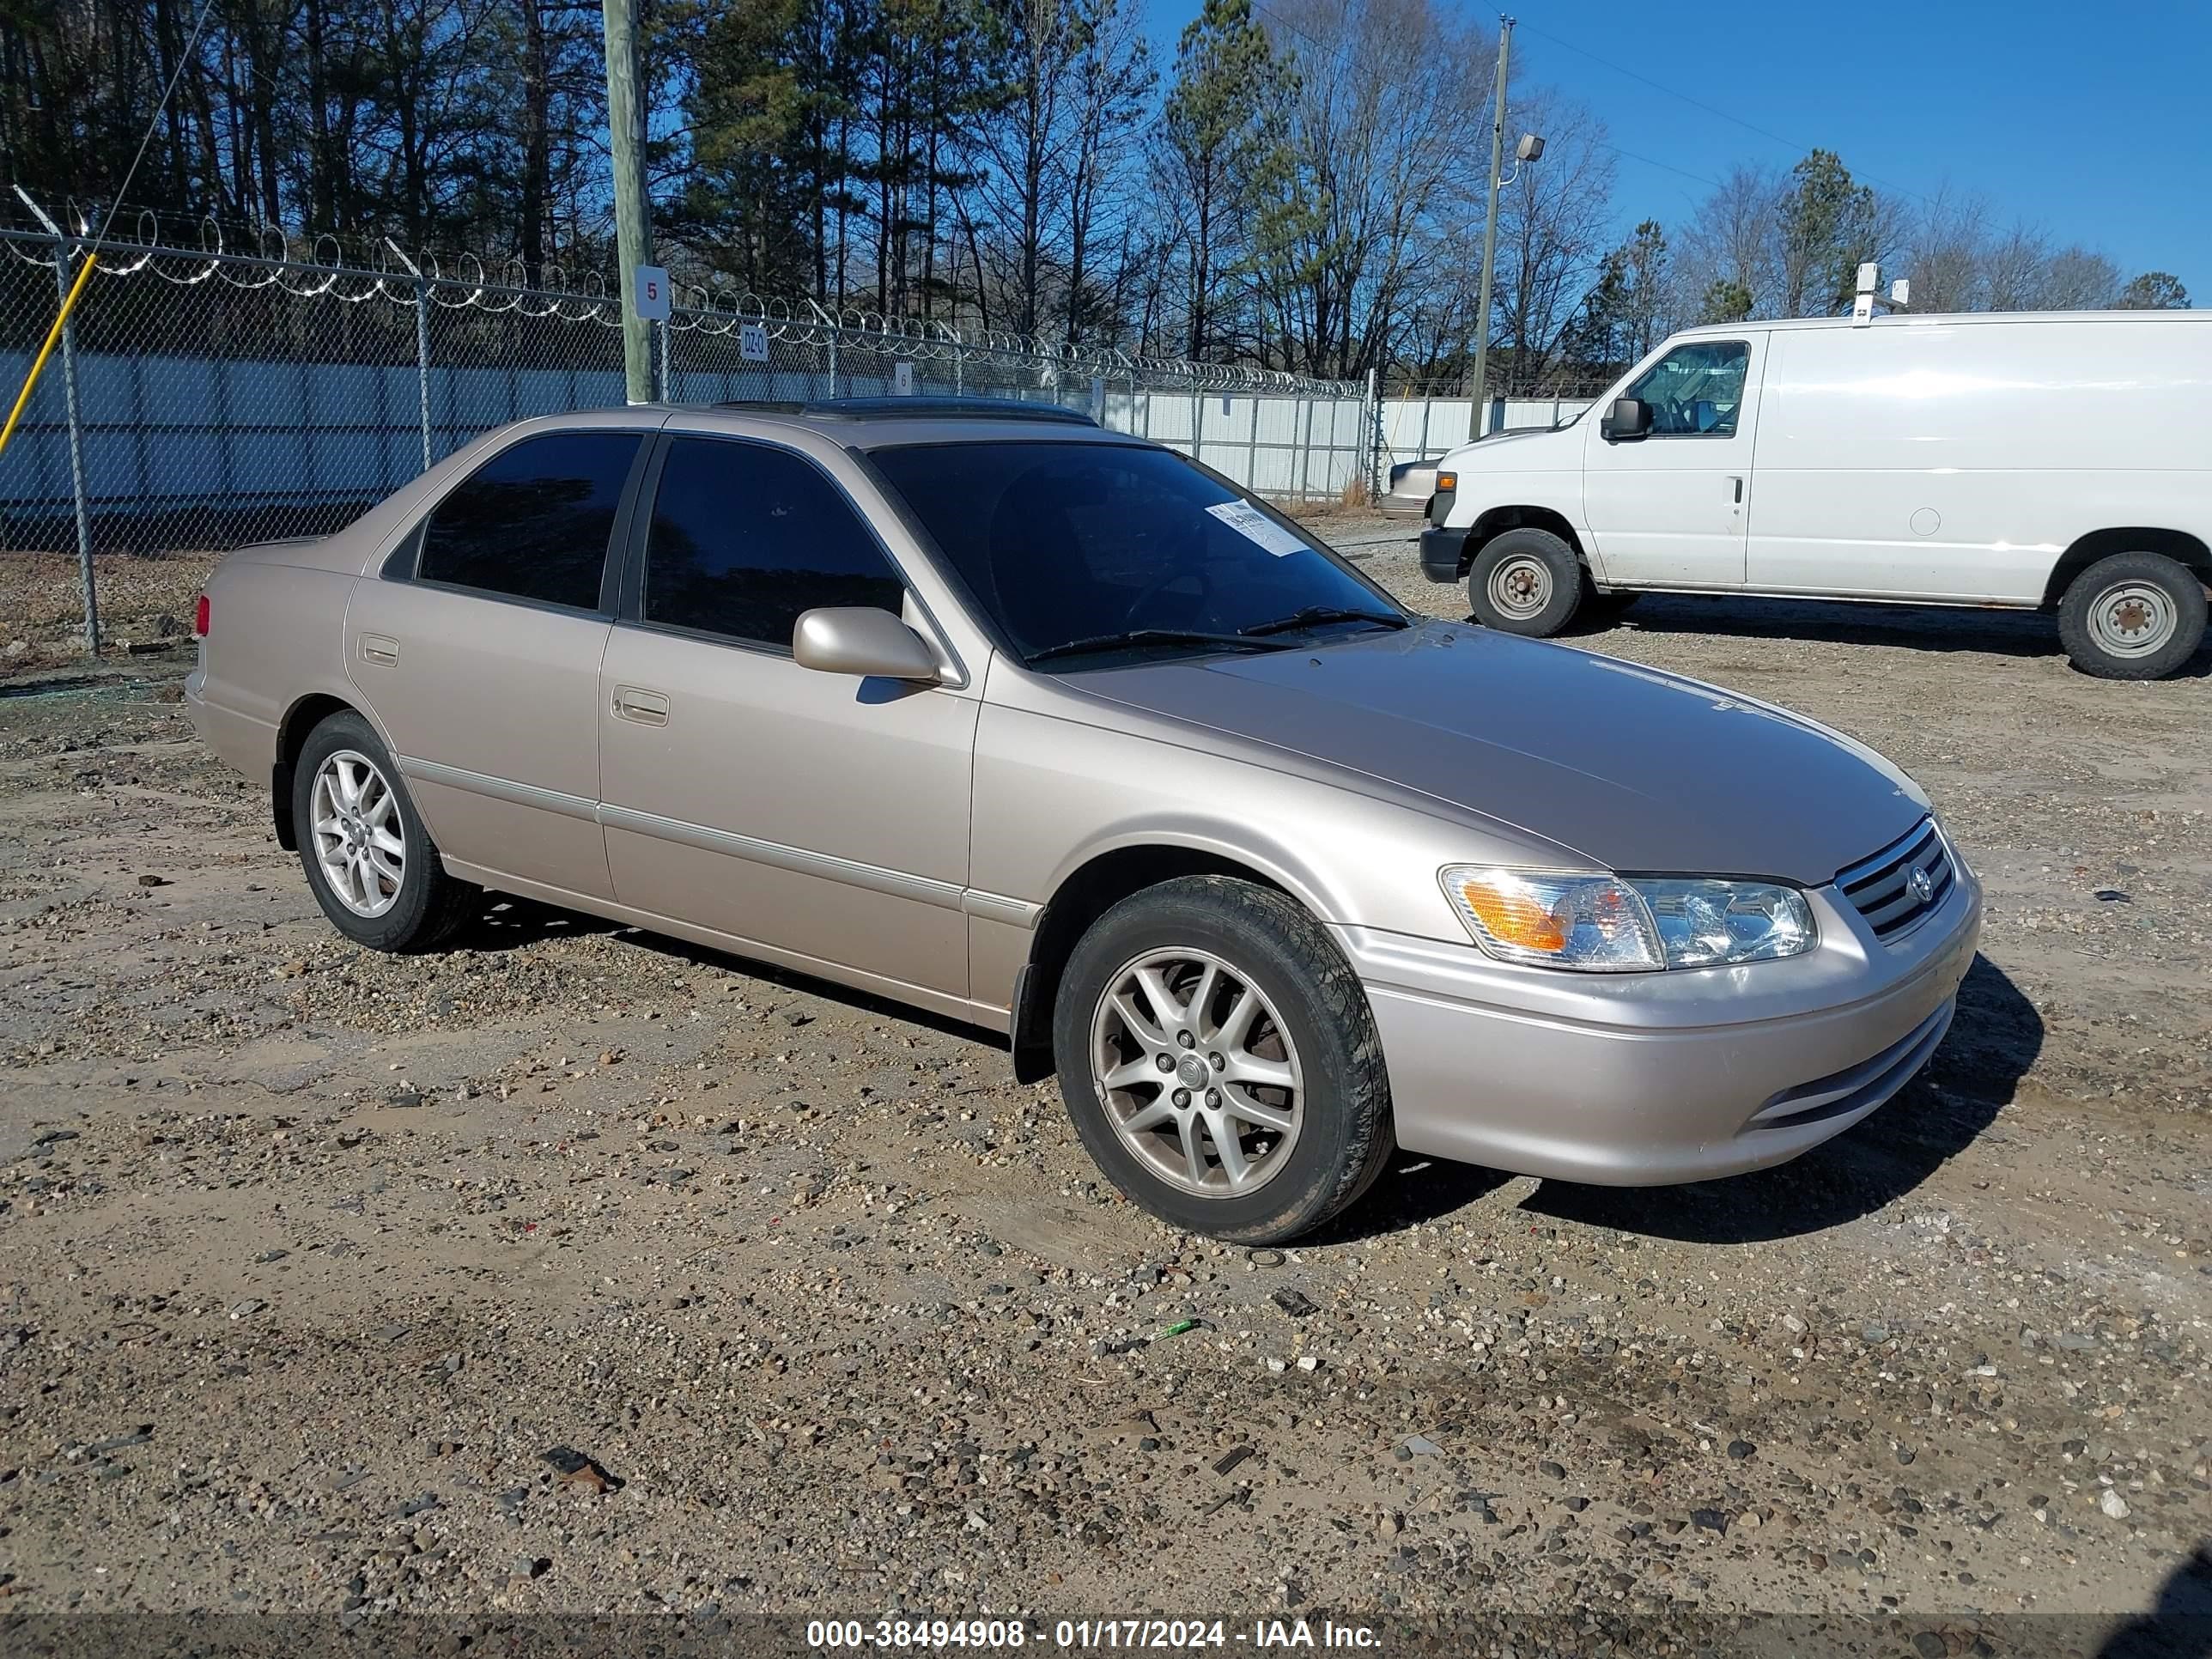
(1631, 418)
(864, 641)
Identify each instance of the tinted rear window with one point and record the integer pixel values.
(533, 522)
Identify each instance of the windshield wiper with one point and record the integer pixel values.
(1314, 614)
(1154, 636)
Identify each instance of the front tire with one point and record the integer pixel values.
(370, 861)
(2132, 616)
(1218, 1059)
(1525, 581)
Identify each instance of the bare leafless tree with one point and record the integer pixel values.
(1555, 224)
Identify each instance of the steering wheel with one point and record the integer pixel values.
(1187, 562)
(1133, 617)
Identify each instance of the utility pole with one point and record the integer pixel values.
(1475, 417)
(632, 230)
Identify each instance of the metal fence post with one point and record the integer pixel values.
(422, 361)
(77, 453)
(667, 386)
(1252, 447)
(1305, 452)
(1371, 420)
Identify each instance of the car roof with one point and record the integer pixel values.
(890, 422)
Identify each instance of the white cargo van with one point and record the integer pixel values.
(2058, 461)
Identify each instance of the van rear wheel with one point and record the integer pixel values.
(1525, 581)
(2132, 616)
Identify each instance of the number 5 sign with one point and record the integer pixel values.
(649, 293)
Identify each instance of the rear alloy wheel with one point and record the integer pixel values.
(369, 859)
(2132, 616)
(1218, 1056)
(1525, 581)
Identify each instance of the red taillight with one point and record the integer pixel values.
(200, 615)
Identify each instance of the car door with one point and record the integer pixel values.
(477, 649)
(823, 816)
(1669, 508)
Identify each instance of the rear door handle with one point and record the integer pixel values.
(645, 708)
(379, 648)
(1738, 484)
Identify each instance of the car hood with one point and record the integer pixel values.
(1635, 770)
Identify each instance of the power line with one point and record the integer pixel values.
(1684, 172)
(1699, 104)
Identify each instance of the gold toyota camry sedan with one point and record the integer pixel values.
(1047, 728)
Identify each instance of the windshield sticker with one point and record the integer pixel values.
(1247, 521)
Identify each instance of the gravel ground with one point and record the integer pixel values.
(145, 612)
(578, 1270)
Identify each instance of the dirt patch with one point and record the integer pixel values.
(314, 1260)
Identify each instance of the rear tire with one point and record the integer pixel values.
(2132, 616)
(1182, 958)
(1525, 581)
(370, 861)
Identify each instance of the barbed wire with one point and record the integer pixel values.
(384, 271)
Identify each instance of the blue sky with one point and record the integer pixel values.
(2093, 122)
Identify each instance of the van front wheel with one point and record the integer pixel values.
(2132, 616)
(1525, 581)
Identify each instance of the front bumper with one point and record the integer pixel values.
(1444, 553)
(1648, 1079)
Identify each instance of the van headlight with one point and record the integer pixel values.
(1621, 924)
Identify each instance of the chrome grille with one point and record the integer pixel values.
(1881, 888)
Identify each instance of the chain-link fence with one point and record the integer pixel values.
(204, 399)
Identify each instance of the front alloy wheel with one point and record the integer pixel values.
(1218, 1058)
(1197, 1073)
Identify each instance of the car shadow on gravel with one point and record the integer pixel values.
(1992, 1042)
(2180, 1625)
(1926, 628)
(509, 924)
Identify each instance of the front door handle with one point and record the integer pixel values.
(645, 708)
(1737, 484)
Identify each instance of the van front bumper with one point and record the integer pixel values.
(1444, 553)
(1649, 1080)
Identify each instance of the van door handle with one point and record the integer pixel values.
(645, 707)
(1738, 482)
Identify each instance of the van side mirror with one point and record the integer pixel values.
(1631, 418)
(861, 640)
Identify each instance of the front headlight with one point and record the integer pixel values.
(1619, 924)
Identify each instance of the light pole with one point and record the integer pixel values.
(1489, 234)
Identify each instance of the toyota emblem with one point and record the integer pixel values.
(1922, 883)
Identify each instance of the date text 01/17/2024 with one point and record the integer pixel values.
(1164, 1634)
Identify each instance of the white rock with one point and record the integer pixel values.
(2113, 1503)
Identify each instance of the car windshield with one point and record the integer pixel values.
(1087, 554)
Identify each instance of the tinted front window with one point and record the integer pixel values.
(1068, 541)
(1695, 391)
(533, 522)
(746, 537)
